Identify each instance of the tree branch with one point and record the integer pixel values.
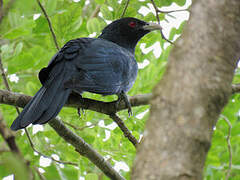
(49, 157)
(125, 8)
(157, 10)
(79, 128)
(49, 24)
(124, 129)
(95, 12)
(108, 108)
(8, 136)
(18, 111)
(84, 149)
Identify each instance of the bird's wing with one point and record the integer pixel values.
(93, 65)
(67, 54)
(104, 68)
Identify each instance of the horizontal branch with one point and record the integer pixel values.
(20, 100)
(80, 145)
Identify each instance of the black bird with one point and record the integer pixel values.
(103, 65)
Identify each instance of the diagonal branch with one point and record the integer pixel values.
(49, 24)
(84, 149)
(8, 136)
(95, 12)
(125, 8)
(157, 10)
(49, 157)
(124, 129)
(81, 146)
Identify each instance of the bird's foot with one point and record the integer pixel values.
(123, 96)
(80, 111)
(79, 97)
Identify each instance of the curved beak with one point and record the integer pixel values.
(152, 26)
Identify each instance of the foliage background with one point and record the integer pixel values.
(26, 46)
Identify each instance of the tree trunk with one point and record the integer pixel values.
(194, 89)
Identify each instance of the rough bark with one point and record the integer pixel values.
(194, 89)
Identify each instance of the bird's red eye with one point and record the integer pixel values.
(132, 24)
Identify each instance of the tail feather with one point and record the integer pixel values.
(46, 103)
(58, 102)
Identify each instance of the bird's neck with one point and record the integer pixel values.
(121, 41)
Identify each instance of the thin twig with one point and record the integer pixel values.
(49, 157)
(229, 146)
(158, 19)
(124, 129)
(165, 12)
(156, 11)
(95, 12)
(4, 76)
(40, 175)
(49, 24)
(79, 128)
(125, 8)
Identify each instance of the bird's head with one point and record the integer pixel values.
(126, 32)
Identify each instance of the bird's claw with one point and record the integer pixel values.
(79, 110)
(130, 113)
(123, 96)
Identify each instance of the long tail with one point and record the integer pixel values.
(45, 105)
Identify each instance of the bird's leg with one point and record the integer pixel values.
(79, 96)
(123, 96)
(81, 109)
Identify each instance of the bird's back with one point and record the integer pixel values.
(98, 66)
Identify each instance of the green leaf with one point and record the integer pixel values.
(107, 14)
(15, 33)
(41, 25)
(91, 176)
(51, 6)
(16, 166)
(163, 3)
(18, 49)
(93, 25)
(180, 2)
(99, 1)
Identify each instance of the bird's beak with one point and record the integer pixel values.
(152, 26)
